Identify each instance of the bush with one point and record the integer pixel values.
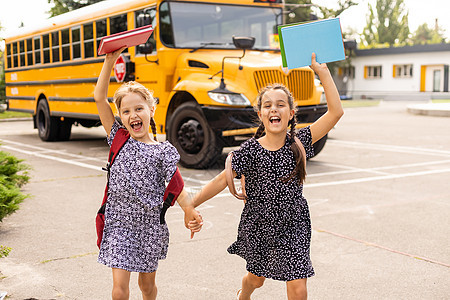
(4, 251)
(13, 175)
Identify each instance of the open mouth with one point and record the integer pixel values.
(274, 120)
(136, 125)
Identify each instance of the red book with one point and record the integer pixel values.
(128, 38)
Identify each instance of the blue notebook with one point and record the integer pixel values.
(299, 41)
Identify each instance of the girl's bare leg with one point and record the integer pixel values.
(147, 285)
(121, 284)
(296, 289)
(250, 282)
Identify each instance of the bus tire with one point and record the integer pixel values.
(47, 125)
(194, 139)
(318, 146)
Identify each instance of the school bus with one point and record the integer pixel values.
(205, 62)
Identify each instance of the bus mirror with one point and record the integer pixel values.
(243, 42)
(146, 48)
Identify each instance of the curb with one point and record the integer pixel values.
(435, 109)
(16, 119)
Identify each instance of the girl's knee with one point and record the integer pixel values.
(119, 293)
(297, 290)
(147, 283)
(255, 281)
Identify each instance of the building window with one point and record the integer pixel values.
(348, 71)
(372, 72)
(402, 71)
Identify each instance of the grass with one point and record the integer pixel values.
(13, 114)
(359, 103)
(440, 100)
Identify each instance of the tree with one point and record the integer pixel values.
(387, 25)
(426, 35)
(63, 6)
(302, 10)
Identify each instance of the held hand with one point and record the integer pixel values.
(113, 56)
(193, 221)
(319, 69)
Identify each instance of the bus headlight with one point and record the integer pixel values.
(231, 99)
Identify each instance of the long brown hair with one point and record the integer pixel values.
(299, 171)
(139, 89)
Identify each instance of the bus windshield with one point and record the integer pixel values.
(198, 25)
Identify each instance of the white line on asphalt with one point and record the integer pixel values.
(402, 149)
(46, 150)
(71, 162)
(375, 178)
(372, 170)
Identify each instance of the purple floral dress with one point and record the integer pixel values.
(133, 238)
(275, 229)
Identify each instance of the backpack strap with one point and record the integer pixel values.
(173, 190)
(119, 140)
(230, 179)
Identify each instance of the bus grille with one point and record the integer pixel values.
(299, 82)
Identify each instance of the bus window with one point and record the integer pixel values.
(9, 56)
(15, 54)
(55, 46)
(100, 27)
(46, 48)
(146, 17)
(166, 25)
(118, 24)
(29, 45)
(65, 41)
(76, 43)
(88, 35)
(22, 53)
(37, 50)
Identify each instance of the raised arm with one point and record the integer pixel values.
(101, 91)
(211, 189)
(335, 111)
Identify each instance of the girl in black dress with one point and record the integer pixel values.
(275, 229)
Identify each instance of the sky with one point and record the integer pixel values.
(13, 12)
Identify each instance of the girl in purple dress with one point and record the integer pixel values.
(133, 238)
(274, 232)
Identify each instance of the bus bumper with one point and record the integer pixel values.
(244, 121)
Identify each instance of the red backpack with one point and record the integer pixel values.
(119, 140)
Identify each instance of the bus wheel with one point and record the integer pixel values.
(47, 125)
(190, 133)
(318, 146)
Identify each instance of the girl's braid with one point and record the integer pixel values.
(153, 125)
(260, 131)
(299, 170)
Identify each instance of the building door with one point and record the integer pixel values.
(436, 80)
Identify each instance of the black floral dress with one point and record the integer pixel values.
(274, 233)
(133, 238)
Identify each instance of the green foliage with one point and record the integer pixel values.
(333, 13)
(427, 35)
(387, 24)
(4, 251)
(13, 175)
(63, 6)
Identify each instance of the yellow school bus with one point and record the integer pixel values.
(205, 62)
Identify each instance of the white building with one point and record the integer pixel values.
(411, 72)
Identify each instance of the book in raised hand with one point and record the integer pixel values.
(127, 39)
(299, 41)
